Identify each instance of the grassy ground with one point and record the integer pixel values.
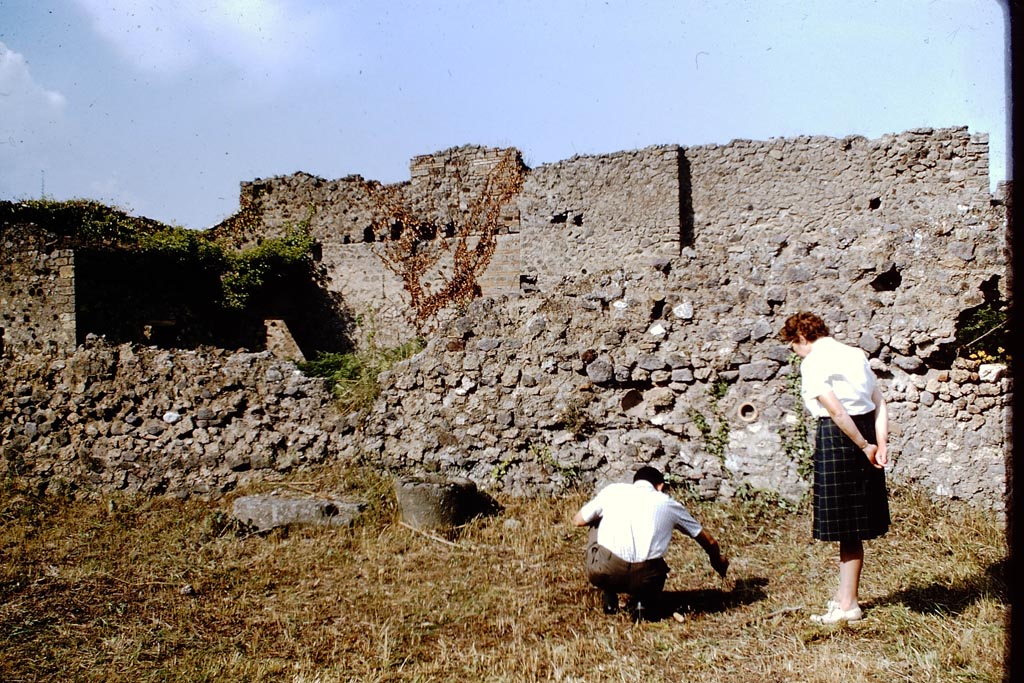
(158, 590)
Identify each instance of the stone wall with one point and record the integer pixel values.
(597, 213)
(651, 285)
(37, 291)
(530, 395)
(594, 213)
(147, 420)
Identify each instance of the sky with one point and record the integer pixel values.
(162, 107)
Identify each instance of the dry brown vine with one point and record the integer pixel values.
(464, 223)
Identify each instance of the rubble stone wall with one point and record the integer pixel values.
(652, 287)
(147, 420)
(37, 291)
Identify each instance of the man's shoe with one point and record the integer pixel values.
(611, 602)
(836, 615)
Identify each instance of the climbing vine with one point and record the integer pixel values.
(795, 440)
(716, 438)
(463, 226)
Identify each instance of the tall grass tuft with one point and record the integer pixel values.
(353, 377)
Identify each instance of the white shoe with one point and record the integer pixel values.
(835, 614)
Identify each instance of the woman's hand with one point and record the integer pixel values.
(877, 455)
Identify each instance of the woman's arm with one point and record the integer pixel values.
(881, 427)
(845, 423)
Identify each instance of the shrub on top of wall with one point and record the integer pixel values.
(91, 225)
(84, 222)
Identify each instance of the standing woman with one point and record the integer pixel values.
(850, 452)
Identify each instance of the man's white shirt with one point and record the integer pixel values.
(637, 520)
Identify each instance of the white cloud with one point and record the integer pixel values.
(31, 126)
(24, 104)
(268, 36)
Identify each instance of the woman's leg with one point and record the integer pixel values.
(851, 561)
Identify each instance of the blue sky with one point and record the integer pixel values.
(163, 107)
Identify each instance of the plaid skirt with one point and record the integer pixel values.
(850, 499)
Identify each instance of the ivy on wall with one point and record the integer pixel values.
(88, 224)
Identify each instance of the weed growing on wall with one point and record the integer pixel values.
(984, 332)
(353, 377)
(716, 436)
(795, 440)
(252, 269)
(88, 224)
(542, 455)
(462, 228)
(83, 222)
(576, 419)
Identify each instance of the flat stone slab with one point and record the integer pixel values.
(264, 512)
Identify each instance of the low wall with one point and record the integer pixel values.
(146, 420)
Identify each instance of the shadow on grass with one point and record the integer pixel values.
(951, 597)
(709, 601)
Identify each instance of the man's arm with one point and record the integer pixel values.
(719, 562)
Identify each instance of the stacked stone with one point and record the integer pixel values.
(146, 420)
(37, 294)
(531, 396)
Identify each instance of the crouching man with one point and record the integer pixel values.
(631, 526)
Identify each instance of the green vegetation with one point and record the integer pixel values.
(716, 438)
(242, 273)
(83, 221)
(252, 269)
(796, 439)
(985, 334)
(576, 419)
(353, 377)
(121, 589)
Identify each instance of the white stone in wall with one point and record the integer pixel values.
(684, 310)
(991, 372)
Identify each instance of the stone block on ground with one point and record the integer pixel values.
(265, 512)
(435, 502)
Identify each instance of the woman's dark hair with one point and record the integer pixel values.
(803, 324)
(648, 473)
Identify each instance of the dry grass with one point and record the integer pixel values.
(158, 590)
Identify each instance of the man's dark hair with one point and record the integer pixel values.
(648, 473)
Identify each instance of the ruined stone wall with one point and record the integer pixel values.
(652, 285)
(37, 291)
(531, 395)
(891, 240)
(147, 420)
(594, 213)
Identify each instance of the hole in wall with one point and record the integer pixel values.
(577, 219)
(747, 412)
(631, 399)
(560, 217)
(874, 203)
(368, 234)
(888, 280)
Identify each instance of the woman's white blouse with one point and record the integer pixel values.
(841, 369)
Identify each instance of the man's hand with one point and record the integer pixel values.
(720, 564)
